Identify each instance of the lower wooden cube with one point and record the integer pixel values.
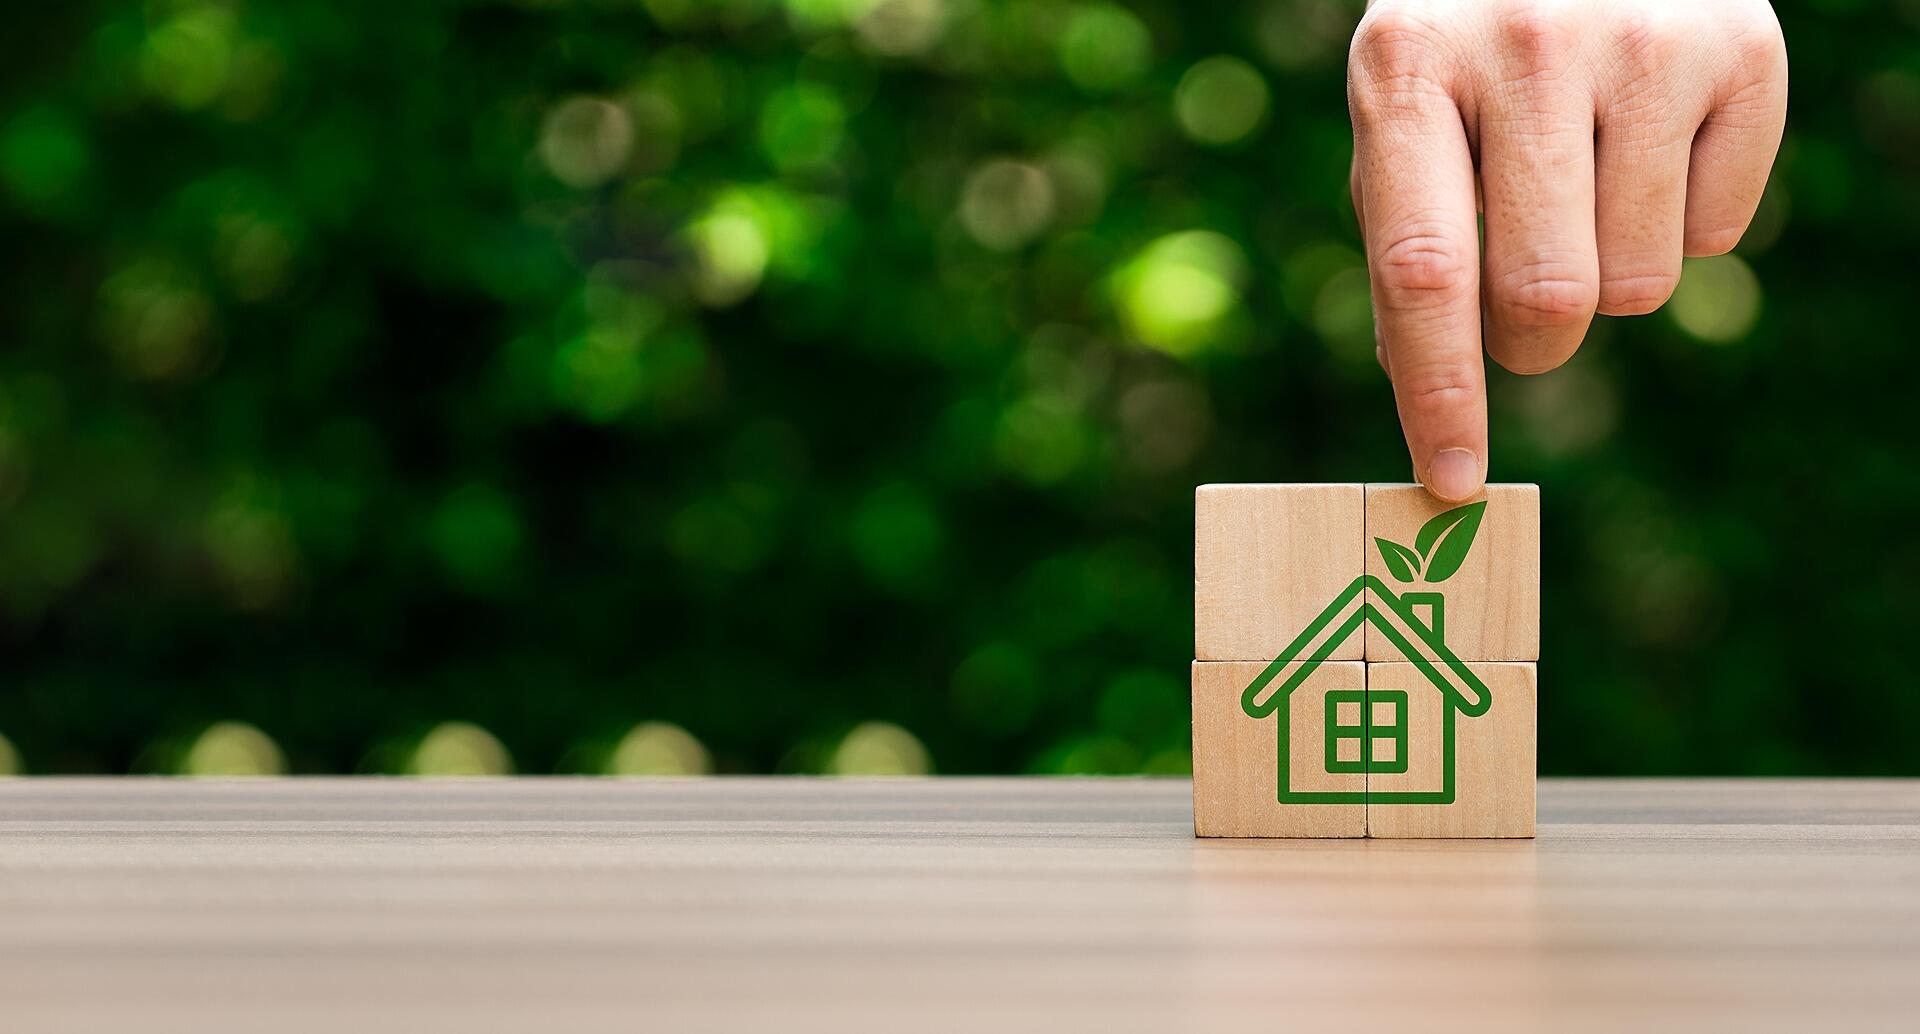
(1435, 769)
(1285, 773)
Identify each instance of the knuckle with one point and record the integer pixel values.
(1758, 52)
(1543, 294)
(1424, 269)
(1648, 46)
(1636, 294)
(1393, 47)
(1539, 39)
(1436, 387)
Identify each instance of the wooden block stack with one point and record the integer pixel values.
(1364, 661)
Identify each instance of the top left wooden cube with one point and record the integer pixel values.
(1267, 559)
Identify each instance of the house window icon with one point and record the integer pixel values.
(1362, 739)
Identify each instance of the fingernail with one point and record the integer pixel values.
(1453, 474)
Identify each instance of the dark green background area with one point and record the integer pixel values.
(769, 369)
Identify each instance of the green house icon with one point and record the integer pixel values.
(1349, 714)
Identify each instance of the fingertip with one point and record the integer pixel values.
(1454, 475)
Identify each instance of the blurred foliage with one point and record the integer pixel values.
(820, 385)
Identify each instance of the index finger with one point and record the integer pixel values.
(1414, 174)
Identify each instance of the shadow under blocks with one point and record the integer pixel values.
(1364, 661)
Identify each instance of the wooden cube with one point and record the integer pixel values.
(1241, 787)
(1266, 560)
(1440, 770)
(1470, 572)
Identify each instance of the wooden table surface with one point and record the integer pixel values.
(943, 904)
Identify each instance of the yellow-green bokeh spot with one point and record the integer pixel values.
(802, 126)
(731, 245)
(230, 749)
(1176, 294)
(10, 764)
(1104, 47)
(1718, 299)
(749, 232)
(1042, 438)
(899, 28)
(187, 58)
(1220, 100)
(585, 141)
(1006, 204)
(659, 749)
(598, 373)
(880, 749)
(813, 16)
(250, 543)
(453, 749)
(156, 319)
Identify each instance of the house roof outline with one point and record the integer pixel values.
(1368, 600)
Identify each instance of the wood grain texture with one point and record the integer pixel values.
(1235, 758)
(1266, 560)
(1493, 765)
(941, 905)
(1493, 601)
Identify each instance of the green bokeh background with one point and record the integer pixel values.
(775, 369)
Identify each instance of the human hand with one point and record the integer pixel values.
(1601, 139)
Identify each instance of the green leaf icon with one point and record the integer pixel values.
(1403, 562)
(1443, 541)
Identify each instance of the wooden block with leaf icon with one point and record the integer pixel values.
(1470, 571)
